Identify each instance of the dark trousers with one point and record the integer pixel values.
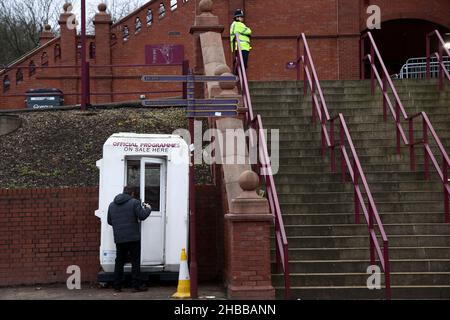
(245, 54)
(134, 250)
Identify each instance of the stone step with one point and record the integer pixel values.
(344, 197)
(293, 116)
(405, 206)
(320, 177)
(366, 161)
(356, 135)
(361, 229)
(325, 168)
(351, 111)
(359, 143)
(360, 279)
(336, 97)
(299, 84)
(349, 218)
(358, 293)
(363, 241)
(292, 123)
(290, 118)
(403, 92)
(357, 266)
(384, 186)
(361, 151)
(342, 83)
(364, 253)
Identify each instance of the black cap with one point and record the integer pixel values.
(239, 13)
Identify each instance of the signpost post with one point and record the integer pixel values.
(195, 108)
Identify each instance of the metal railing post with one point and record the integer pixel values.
(446, 196)
(428, 45)
(362, 59)
(398, 124)
(333, 147)
(441, 67)
(372, 69)
(412, 154)
(355, 192)
(371, 229)
(298, 59)
(384, 98)
(342, 145)
(426, 163)
(387, 270)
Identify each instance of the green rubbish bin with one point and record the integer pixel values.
(44, 98)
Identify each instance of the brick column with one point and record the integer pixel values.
(204, 22)
(46, 35)
(348, 39)
(69, 83)
(248, 243)
(102, 22)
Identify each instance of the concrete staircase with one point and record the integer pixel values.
(329, 254)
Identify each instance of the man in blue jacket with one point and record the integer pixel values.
(124, 215)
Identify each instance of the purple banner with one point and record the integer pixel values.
(164, 54)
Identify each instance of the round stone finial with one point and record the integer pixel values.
(66, 6)
(205, 6)
(227, 85)
(248, 180)
(102, 7)
(221, 69)
(48, 28)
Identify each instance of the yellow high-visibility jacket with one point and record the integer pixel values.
(244, 33)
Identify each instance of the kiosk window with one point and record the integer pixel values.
(133, 174)
(153, 185)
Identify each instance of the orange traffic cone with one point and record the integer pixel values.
(184, 282)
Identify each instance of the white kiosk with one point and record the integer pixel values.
(158, 165)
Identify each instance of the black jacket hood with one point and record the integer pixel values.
(122, 198)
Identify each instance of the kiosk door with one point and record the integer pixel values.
(153, 191)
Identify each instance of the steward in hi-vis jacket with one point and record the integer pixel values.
(244, 34)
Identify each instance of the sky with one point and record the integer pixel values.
(91, 5)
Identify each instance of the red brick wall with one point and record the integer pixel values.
(210, 241)
(333, 27)
(43, 231)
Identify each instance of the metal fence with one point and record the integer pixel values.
(416, 68)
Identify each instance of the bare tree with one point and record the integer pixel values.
(21, 23)
(120, 8)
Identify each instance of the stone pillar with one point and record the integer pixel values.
(103, 22)
(69, 56)
(46, 35)
(248, 270)
(204, 22)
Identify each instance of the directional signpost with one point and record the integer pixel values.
(196, 108)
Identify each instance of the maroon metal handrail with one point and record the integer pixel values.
(264, 162)
(439, 56)
(384, 81)
(320, 110)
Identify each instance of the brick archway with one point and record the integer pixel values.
(401, 39)
(435, 11)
